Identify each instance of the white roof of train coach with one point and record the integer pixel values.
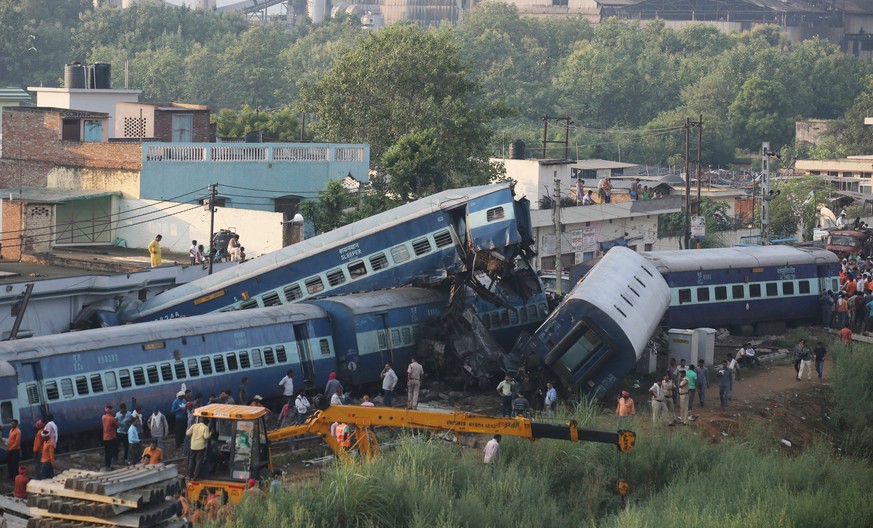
(737, 257)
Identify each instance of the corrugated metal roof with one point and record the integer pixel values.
(14, 95)
(51, 195)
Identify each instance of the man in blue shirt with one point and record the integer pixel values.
(692, 384)
(123, 418)
(551, 399)
(179, 411)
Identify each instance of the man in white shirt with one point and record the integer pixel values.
(551, 399)
(301, 404)
(287, 384)
(659, 406)
(492, 450)
(389, 380)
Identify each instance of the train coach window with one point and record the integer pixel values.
(269, 357)
(803, 287)
(231, 361)
(406, 334)
(702, 294)
(33, 393)
(754, 290)
(787, 288)
(96, 383)
(685, 295)
(139, 378)
(395, 338)
(399, 254)
(179, 367)
(494, 214)
(166, 372)
(314, 285)
(256, 358)
(111, 383)
(218, 360)
(67, 388)
(6, 415)
(244, 360)
(357, 269)
(124, 378)
(720, 293)
(772, 289)
(193, 368)
(739, 292)
(281, 355)
(81, 385)
(421, 246)
(152, 373)
(51, 391)
(336, 277)
(324, 346)
(443, 238)
(378, 261)
(293, 292)
(206, 365)
(271, 299)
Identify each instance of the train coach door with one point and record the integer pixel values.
(304, 352)
(383, 335)
(33, 401)
(825, 275)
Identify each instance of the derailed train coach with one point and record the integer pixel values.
(601, 328)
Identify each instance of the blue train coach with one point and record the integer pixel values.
(597, 334)
(745, 286)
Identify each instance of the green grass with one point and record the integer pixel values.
(676, 477)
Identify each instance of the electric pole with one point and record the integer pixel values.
(556, 212)
(687, 188)
(765, 193)
(212, 190)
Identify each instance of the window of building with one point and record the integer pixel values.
(71, 130)
(182, 125)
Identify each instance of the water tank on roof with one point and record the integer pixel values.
(516, 150)
(253, 137)
(102, 75)
(74, 75)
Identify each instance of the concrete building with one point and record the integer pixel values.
(535, 178)
(168, 122)
(86, 99)
(851, 174)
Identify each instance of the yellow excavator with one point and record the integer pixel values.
(240, 446)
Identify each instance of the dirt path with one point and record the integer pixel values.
(794, 410)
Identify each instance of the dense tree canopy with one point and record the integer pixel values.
(434, 104)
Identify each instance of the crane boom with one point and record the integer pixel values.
(365, 418)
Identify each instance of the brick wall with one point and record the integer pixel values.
(29, 173)
(200, 130)
(33, 134)
(11, 230)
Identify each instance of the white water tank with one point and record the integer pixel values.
(316, 10)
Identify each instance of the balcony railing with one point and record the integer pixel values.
(248, 152)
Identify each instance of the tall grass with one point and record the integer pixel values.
(852, 384)
(676, 479)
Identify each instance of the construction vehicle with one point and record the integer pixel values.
(240, 447)
(847, 241)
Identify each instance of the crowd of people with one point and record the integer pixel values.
(199, 255)
(637, 192)
(852, 305)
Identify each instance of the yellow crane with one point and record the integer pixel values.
(242, 443)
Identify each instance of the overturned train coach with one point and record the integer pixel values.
(451, 234)
(599, 331)
(73, 376)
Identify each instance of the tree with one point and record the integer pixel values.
(406, 91)
(329, 211)
(796, 206)
(282, 125)
(761, 113)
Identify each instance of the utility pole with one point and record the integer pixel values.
(556, 212)
(687, 188)
(765, 193)
(699, 143)
(212, 190)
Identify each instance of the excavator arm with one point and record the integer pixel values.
(363, 419)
